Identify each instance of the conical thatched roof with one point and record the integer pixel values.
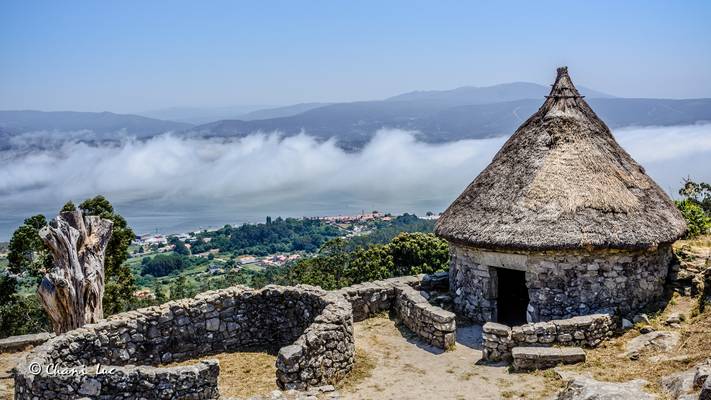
(562, 181)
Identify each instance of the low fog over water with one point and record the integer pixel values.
(174, 184)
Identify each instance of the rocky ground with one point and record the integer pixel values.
(654, 357)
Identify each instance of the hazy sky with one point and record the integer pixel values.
(130, 56)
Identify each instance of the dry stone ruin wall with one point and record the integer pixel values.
(370, 298)
(312, 328)
(432, 324)
(584, 331)
(315, 327)
(561, 284)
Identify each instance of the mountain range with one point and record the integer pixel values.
(439, 116)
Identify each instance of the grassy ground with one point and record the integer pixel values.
(250, 373)
(363, 369)
(244, 374)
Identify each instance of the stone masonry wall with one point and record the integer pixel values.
(560, 284)
(370, 298)
(433, 324)
(315, 326)
(584, 331)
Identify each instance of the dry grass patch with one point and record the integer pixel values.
(362, 369)
(703, 241)
(552, 383)
(7, 363)
(244, 373)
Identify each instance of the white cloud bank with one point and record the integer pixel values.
(267, 173)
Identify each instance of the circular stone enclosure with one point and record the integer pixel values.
(314, 329)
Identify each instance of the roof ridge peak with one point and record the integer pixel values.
(563, 87)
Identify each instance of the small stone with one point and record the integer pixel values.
(658, 340)
(123, 355)
(674, 318)
(702, 373)
(326, 388)
(90, 387)
(583, 387)
(646, 329)
(496, 329)
(706, 390)
(212, 324)
(626, 324)
(678, 384)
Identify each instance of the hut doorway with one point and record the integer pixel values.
(512, 299)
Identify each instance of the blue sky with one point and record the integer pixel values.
(131, 56)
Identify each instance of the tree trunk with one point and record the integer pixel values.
(72, 291)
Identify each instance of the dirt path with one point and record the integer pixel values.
(405, 368)
(7, 363)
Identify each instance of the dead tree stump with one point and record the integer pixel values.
(72, 292)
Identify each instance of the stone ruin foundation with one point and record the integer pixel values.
(498, 340)
(312, 327)
(558, 284)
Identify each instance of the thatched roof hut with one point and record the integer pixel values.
(562, 222)
(562, 181)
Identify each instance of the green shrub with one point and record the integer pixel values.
(407, 254)
(21, 315)
(696, 219)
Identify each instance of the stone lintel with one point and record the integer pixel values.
(499, 260)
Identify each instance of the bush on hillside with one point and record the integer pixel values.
(696, 219)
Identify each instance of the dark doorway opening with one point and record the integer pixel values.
(512, 300)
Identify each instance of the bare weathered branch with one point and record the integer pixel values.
(72, 291)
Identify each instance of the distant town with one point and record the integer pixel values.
(214, 252)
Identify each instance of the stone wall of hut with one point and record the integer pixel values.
(561, 284)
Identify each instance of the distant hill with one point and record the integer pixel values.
(39, 129)
(470, 95)
(202, 115)
(101, 123)
(353, 124)
(280, 112)
(440, 116)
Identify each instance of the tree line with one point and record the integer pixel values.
(279, 235)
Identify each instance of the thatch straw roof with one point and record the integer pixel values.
(562, 181)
